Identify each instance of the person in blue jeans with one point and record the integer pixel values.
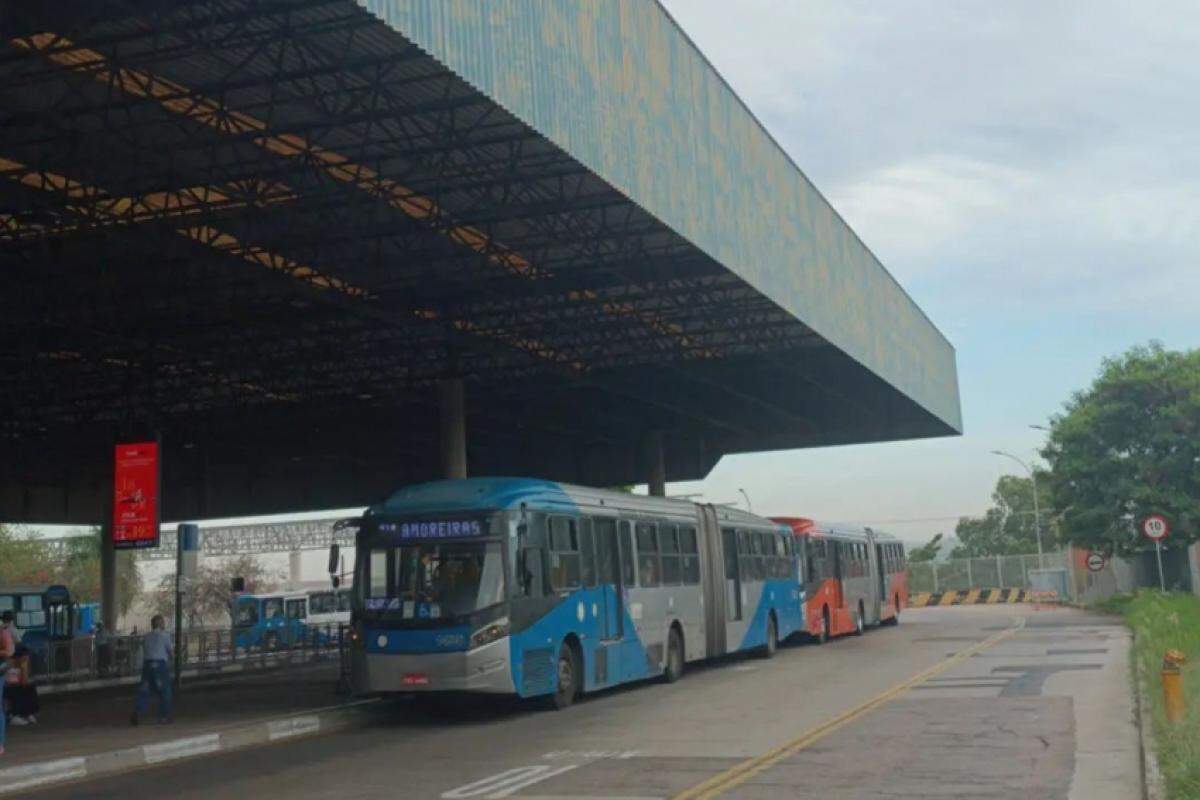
(157, 653)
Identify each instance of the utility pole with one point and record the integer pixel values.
(1037, 516)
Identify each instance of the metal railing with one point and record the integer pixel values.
(208, 650)
(986, 572)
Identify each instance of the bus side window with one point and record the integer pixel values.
(649, 572)
(296, 610)
(668, 539)
(767, 548)
(627, 550)
(564, 554)
(587, 553)
(690, 548)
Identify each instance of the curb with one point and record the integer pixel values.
(41, 774)
(1153, 787)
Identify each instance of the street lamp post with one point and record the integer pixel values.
(749, 507)
(1037, 517)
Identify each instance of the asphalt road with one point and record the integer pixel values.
(964, 702)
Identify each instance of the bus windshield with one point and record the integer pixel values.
(431, 580)
(246, 612)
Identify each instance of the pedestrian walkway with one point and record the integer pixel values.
(86, 723)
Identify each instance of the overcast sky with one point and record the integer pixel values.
(1029, 171)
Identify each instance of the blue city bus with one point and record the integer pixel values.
(539, 589)
(269, 621)
(44, 614)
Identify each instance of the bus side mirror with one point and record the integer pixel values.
(336, 580)
(335, 552)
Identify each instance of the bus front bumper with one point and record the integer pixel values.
(484, 669)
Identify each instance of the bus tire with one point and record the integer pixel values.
(860, 624)
(271, 642)
(768, 649)
(567, 684)
(673, 670)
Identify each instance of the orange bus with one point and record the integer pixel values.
(852, 577)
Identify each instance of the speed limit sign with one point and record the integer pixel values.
(1155, 527)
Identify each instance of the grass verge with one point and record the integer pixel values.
(1163, 622)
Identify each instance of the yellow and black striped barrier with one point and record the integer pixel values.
(969, 597)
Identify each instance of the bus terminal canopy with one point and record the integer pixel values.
(267, 232)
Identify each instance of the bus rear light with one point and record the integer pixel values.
(415, 679)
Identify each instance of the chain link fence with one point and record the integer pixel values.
(986, 572)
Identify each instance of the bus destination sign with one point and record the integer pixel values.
(434, 529)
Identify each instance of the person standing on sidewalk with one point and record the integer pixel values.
(157, 652)
(7, 649)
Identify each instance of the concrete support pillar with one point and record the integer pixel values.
(108, 577)
(656, 464)
(295, 569)
(453, 414)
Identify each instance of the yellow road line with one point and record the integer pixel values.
(740, 773)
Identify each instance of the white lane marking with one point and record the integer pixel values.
(745, 668)
(182, 748)
(25, 777)
(590, 755)
(283, 728)
(587, 797)
(507, 782)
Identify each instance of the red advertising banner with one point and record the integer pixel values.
(135, 495)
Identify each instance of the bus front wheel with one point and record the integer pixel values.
(568, 677)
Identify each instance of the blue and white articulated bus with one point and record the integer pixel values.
(539, 589)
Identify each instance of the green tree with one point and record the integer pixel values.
(1129, 446)
(1008, 527)
(23, 559)
(928, 551)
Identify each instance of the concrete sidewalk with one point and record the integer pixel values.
(89, 733)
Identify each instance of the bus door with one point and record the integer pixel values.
(297, 615)
(712, 575)
(733, 577)
(880, 561)
(837, 553)
(608, 565)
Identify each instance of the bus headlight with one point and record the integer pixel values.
(490, 633)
